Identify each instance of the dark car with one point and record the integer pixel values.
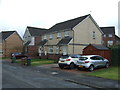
(18, 55)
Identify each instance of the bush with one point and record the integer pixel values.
(115, 55)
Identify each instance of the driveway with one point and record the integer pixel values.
(50, 76)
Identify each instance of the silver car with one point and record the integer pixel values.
(91, 62)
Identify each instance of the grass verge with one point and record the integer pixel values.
(37, 62)
(108, 73)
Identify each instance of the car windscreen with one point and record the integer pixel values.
(64, 56)
(83, 58)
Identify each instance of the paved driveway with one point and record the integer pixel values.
(51, 76)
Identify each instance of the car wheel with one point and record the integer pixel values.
(72, 66)
(91, 68)
(106, 65)
(79, 68)
(61, 66)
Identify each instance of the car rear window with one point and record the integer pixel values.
(83, 58)
(64, 56)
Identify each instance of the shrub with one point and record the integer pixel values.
(115, 55)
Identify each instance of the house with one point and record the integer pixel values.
(10, 42)
(32, 37)
(70, 37)
(109, 36)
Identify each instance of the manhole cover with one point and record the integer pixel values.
(54, 73)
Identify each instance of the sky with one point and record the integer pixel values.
(18, 14)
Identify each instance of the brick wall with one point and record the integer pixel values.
(12, 44)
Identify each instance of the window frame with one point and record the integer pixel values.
(49, 49)
(58, 35)
(45, 37)
(51, 36)
(66, 33)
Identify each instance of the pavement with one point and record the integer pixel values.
(73, 76)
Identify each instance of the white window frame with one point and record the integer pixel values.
(50, 49)
(58, 34)
(109, 43)
(51, 36)
(1, 52)
(32, 41)
(67, 33)
(104, 35)
(57, 50)
(93, 34)
(109, 35)
(45, 37)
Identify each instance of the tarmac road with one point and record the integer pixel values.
(17, 76)
(48, 76)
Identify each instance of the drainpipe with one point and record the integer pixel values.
(73, 41)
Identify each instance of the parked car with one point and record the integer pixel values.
(91, 62)
(68, 60)
(18, 55)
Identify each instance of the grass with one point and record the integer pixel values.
(37, 62)
(109, 73)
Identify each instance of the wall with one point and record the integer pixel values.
(83, 34)
(12, 44)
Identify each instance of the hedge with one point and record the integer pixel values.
(115, 55)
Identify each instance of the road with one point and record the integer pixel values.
(44, 76)
(18, 76)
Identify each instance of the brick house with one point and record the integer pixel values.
(70, 37)
(10, 42)
(109, 36)
(32, 37)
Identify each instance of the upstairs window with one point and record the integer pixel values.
(67, 33)
(58, 34)
(109, 35)
(93, 34)
(32, 41)
(51, 36)
(104, 35)
(110, 43)
(45, 37)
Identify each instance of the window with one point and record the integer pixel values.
(32, 41)
(1, 52)
(110, 43)
(57, 50)
(93, 34)
(104, 35)
(109, 35)
(45, 37)
(58, 34)
(51, 36)
(67, 33)
(50, 49)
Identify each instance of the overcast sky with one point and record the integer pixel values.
(18, 14)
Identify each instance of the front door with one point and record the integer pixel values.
(64, 50)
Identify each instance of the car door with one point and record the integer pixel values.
(102, 63)
(94, 61)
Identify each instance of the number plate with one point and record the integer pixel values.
(62, 61)
(80, 66)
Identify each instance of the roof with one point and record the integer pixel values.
(6, 34)
(108, 30)
(64, 41)
(36, 31)
(99, 46)
(67, 24)
(43, 42)
(116, 37)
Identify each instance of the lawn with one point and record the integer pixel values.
(37, 62)
(109, 73)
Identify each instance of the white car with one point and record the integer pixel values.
(92, 61)
(68, 60)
